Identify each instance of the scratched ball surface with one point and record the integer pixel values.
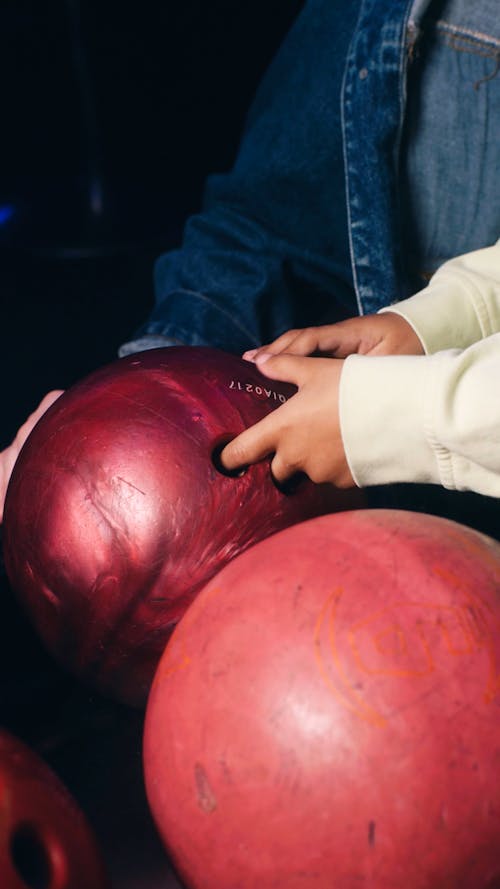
(326, 714)
(45, 841)
(116, 515)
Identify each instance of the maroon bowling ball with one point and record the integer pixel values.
(45, 841)
(116, 514)
(326, 714)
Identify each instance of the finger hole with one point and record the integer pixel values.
(30, 857)
(289, 486)
(217, 462)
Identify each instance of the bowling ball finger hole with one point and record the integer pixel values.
(30, 857)
(216, 460)
(290, 485)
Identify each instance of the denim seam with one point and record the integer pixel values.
(349, 97)
(459, 45)
(405, 59)
(343, 122)
(467, 35)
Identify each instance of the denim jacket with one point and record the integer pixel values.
(370, 156)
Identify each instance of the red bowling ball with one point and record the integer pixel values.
(326, 714)
(45, 841)
(116, 514)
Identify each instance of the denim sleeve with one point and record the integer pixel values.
(269, 249)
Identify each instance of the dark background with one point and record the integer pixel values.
(113, 113)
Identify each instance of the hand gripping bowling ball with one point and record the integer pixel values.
(326, 714)
(116, 514)
(45, 841)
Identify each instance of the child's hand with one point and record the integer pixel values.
(9, 456)
(385, 334)
(303, 434)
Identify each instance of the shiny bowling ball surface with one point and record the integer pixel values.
(45, 842)
(326, 714)
(117, 513)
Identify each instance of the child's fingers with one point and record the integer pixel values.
(281, 471)
(294, 341)
(288, 368)
(252, 445)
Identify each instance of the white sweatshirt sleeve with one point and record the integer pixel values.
(433, 418)
(460, 305)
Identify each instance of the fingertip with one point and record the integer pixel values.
(226, 462)
(249, 355)
(262, 357)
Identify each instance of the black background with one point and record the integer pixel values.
(143, 98)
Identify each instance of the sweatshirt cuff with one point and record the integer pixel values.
(442, 317)
(382, 406)
(460, 305)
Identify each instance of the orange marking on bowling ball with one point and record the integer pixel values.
(398, 642)
(346, 694)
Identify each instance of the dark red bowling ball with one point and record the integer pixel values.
(45, 841)
(326, 714)
(116, 515)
